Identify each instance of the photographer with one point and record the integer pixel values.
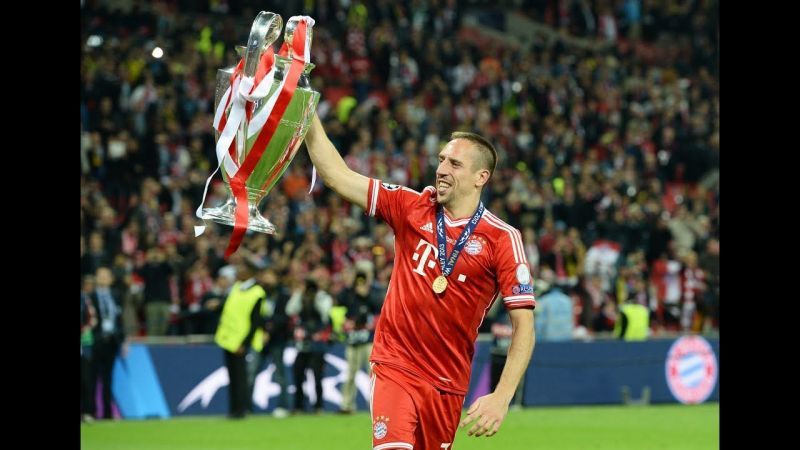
(362, 308)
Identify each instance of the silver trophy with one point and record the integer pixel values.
(290, 130)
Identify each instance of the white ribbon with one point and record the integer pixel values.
(235, 117)
(242, 86)
(258, 121)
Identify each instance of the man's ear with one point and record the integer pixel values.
(482, 177)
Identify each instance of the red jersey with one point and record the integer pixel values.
(433, 335)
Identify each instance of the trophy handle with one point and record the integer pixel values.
(288, 35)
(265, 30)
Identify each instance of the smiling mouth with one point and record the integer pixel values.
(442, 186)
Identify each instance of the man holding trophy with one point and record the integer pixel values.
(453, 256)
(438, 295)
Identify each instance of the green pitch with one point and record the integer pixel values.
(554, 428)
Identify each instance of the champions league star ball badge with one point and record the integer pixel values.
(381, 428)
(523, 274)
(691, 369)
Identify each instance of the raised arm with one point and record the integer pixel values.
(352, 186)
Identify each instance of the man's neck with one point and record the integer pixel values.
(464, 208)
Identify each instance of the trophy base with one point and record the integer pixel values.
(226, 215)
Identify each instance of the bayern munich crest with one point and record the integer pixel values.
(381, 428)
(691, 369)
(473, 247)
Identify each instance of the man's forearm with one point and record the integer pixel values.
(323, 154)
(519, 355)
(332, 168)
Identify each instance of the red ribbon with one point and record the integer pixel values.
(238, 182)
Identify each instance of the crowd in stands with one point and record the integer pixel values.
(609, 154)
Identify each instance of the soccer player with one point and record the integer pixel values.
(452, 257)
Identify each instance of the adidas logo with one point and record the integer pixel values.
(427, 227)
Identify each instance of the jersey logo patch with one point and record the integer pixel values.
(522, 289)
(473, 247)
(381, 427)
(390, 187)
(523, 274)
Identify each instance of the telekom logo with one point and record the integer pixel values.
(423, 258)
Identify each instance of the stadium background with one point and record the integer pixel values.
(605, 114)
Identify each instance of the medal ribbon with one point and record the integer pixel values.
(446, 263)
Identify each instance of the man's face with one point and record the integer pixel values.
(458, 172)
(360, 281)
(88, 284)
(103, 277)
(223, 282)
(713, 247)
(243, 271)
(269, 279)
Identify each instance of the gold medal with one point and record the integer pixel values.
(439, 284)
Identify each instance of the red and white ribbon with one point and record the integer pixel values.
(240, 104)
(299, 57)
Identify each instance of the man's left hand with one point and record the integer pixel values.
(488, 413)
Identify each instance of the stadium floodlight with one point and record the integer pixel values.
(158, 53)
(94, 41)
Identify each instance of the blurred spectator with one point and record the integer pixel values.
(601, 261)
(129, 292)
(633, 321)
(278, 334)
(363, 305)
(666, 275)
(212, 303)
(554, 320)
(309, 308)
(604, 321)
(198, 283)
(108, 334)
(97, 256)
(156, 274)
(88, 322)
(710, 263)
(694, 308)
(240, 330)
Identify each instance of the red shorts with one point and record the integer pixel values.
(410, 413)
